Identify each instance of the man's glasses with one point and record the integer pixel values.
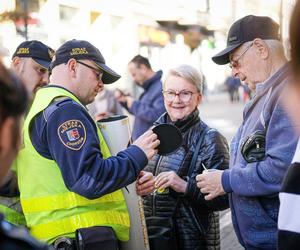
(236, 63)
(183, 95)
(98, 72)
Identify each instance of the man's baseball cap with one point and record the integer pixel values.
(80, 49)
(247, 29)
(39, 52)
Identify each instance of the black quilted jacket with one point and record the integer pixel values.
(213, 154)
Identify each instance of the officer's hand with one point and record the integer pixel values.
(145, 183)
(148, 142)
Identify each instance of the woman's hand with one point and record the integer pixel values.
(172, 180)
(145, 183)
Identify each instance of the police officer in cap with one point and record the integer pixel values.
(30, 62)
(68, 180)
(13, 103)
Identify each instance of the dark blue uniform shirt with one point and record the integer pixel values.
(64, 132)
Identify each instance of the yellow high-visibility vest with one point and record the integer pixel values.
(50, 209)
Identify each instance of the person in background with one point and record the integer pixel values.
(288, 219)
(30, 62)
(150, 104)
(65, 157)
(105, 105)
(247, 94)
(13, 104)
(233, 84)
(256, 170)
(199, 229)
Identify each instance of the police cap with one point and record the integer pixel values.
(38, 51)
(80, 49)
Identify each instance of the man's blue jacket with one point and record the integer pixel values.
(149, 107)
(254, 187)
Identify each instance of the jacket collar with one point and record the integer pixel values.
(154, 78)
(268, 85)
(283, 71)
(184, 124)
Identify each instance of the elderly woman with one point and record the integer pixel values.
(13, 102)
(288, 219)
(167, 190)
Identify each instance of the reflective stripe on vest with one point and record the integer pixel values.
(51, 210)
(12, 215)
(11, 208)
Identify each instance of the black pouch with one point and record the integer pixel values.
(253, 148)
(95, 238)
(161, 233)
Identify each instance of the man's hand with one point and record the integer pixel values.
(100, 116)
(145, 183)
(172, 180)
(121, 96)
(210, 183)
(148, 142)
(124, 98)
(129, 101)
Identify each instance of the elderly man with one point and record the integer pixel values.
(67, 179)
(264, 145)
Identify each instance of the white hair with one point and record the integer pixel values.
(275, 46)
(190, 74)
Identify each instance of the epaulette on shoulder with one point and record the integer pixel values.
(57, 103)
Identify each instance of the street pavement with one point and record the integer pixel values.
(217, 111)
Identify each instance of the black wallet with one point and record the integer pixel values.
(253, 147)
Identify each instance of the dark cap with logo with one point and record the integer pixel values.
(79, 50)
(247, 29)
(39, 52)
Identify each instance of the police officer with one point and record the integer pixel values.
(13, 100)
(67, 178)
(30, 62)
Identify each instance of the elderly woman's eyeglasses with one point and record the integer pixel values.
(236, 63)
(183, 95)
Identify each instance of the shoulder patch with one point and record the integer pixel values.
(72, 134)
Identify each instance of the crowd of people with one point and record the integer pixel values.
(65, 186)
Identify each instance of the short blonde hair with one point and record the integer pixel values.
(190, 74)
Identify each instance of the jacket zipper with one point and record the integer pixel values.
(154, 194)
